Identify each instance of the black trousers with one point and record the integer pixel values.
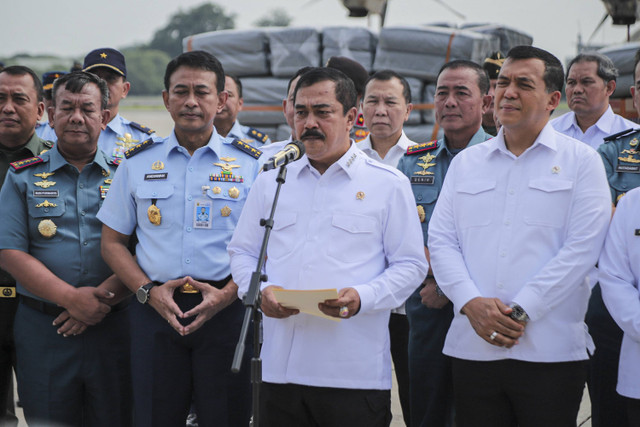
(304, 406)
(509, 393)
(8, 308)
(399, 336)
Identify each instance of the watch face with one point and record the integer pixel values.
(142, 295)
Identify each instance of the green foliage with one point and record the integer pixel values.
(200, 19)
(275, 18)
(145, 70)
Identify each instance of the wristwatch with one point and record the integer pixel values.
(144, 293)
(518, 314)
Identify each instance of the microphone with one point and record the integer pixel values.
(290, 153)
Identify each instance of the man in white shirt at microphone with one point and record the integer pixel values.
(342, 221)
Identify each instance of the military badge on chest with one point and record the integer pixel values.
(226, 171)
(424, 175)
(629, 161)
(47, 228)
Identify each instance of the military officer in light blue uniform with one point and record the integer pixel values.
(44, 129)
(621, 156)
(226, 121)
(460, 101)
(120, 134)
(72, 340)
(187, 320)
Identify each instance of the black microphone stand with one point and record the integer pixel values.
(252, 303)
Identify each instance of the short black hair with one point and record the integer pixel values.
(386, 75)
(483, 77)
(238, 83)
(298, 73)
(200, 60)
(75, 81)
(345, 89)
(21, 70)
(553, 76)
(605, 68)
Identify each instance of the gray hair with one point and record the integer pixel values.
(606, 70)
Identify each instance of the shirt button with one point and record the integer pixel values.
(46, 209)
(188, 260)
(81, 185)
(507, 222)
(189, 197)
(83, 213)
(154, 194)
(512, 192)
(500, 285)
(190, 168)
(189, 229)
(85, 243)
(503, 254)
(419, 197)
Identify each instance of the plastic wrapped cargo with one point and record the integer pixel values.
(415, 117)
(421, 51)
(241, 52)
(263, 100)
(508, 37)
(292, 49)
(356, 43)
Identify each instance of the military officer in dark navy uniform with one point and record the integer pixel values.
(72, 341)
(460, 101)
(187, 320)
(226, 121)
(21, 107)
(121, 134)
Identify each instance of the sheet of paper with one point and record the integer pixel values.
(306, 301)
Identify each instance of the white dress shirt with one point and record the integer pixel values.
(392, 158)
(619, 274)
(353, 226)
(522, 229)
(394, 154)
(608, 124)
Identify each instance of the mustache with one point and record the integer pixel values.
(312, 133)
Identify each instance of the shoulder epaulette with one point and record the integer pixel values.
(620, 134)
(257, 135)
(25, 163)
(47, 143)
(138, 148)
(242, 145)
(141, 128)
(419, 148)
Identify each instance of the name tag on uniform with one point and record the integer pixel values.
(422, 180)
(628, 168)
(202, 213)
(45, 193)
(155, 176)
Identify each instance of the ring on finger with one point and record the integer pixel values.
(344, 311)
(493, 335)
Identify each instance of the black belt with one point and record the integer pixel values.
(51, 309)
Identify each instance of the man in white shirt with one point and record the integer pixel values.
(591, 79)
(386, 106)
(519, 222)
(343, 221)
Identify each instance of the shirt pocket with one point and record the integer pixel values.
(283, 236)
(476, 201)
(161, 192)
(353, 238)
(547, 202)
(41, 218)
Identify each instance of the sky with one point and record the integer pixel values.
(74, 27)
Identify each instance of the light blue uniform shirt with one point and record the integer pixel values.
(258, 139)
(120, 135)
(46, 132)
(71, 203)
(179, 181)
(426, 190)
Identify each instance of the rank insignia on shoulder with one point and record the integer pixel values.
(47, 143)
(637, 233)
(243, 145)
(141, 128)
(257, 135)
(419, 148)
(23, 164)
(138, 148)
(620, 134)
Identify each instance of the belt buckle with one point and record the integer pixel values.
(188, 289)
(8, 292)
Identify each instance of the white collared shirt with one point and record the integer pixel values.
(522, 229)
(394, 154)
(619, 276)
(608, 124)
(353, 226)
